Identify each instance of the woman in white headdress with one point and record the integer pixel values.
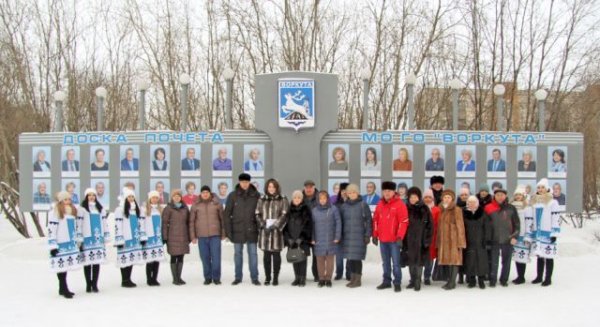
(152, 250)
(129, 236)
(522, 249)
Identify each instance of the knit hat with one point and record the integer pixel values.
(414, 190)
(497, 185)
(484, 187)
(544, 182)
(351, 188)
(449, 192)
(62, 196)
(436, 179)
(89, 191)
(428, 193)
(153, 194)
(127, 192)
(520, 190)
(402, 185)
(388, 186)
(205, 188)
(244, 177)
(498, 190)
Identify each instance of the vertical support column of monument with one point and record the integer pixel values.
(296, 153)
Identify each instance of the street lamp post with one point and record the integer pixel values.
(59, 98)
(142, 86)
(455, 85)
(184, 80)
(100, 96)
(411, 79)
(228, 74)
(541, 96)
(365, 75)
(499, 90)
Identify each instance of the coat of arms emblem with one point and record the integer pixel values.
(296, 103)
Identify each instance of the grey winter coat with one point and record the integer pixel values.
(475, 258)
(271, 207)
(327, 227)
(356, 228)
(240, 215)
(175, 223)
(504, 224)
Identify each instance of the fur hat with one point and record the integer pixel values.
(436, 179)
(205, 188)
(343, 186)
(62, 196)
(544, 182)
(449, 192)
(387, 185)
(428, 193)
(127, 192)
(244, 177)
(414, 190)
(352, 188)
(88, 191)
(152, 194)
(519, 190)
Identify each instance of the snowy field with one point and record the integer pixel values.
(29, 295)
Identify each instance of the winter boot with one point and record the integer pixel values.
(95, 275)
(87, 273)
(549, 269)
(461, 278)
(384, 285)
(397, 288)
(179, 272)
(540, 271)
(351, 280)
(520, 273)
(276, 279)
(267, 278)
(302, 281)
(355, 281)
(174, 274)
(63, 289)
(452, 280)
(427, 281)
(481, 281)
(296, 281)
(417, 284)
(471, 281)
(149, 273)
(126, 277)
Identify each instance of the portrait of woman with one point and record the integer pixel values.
(402, 162)
(527, 161)
(159, 163)
(369, 161)
(339, 162)
(558, 162)
(99, 162)
(41, 160)
(465, 166)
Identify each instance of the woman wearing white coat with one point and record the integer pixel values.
(62, 241)
(152, 249)
(546, 228)
(92, 228)
(521, 252)
(129, 236)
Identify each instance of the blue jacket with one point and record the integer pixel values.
(373, 201)
(356, 226)
(327, 227)
(125, 165)
(501, 165)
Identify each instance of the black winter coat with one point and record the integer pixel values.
(415, 246)
(239, 216)
(475, 262)
(299, 227)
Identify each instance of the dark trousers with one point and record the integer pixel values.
(355, 266)
(300, 269)
(428, 269)
(415, 272)
(275, 258)
(506, 257)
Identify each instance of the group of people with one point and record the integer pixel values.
(434, 234)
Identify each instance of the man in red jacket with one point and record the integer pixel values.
(390, 222)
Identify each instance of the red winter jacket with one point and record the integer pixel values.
(491, 207)
(390, 220)
(435, 214)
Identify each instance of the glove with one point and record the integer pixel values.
(399, 243)
(375, 241)
(143, 243)
(53, 252)
(119, 247)
(164, 241)
(553, 239)
(367, 240)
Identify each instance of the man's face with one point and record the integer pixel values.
(191, 153)
(223, 189)
(254, 154)
(388, 194)
(42, 188)
(244, 184)
(100, 156)
(222, 153)
(160, 187)
(370, 188)
(129, 154)
(496, 155)
(556, 189)
(205, 195)
(437, 186)
(100, 189)
(464, 197)
(309, 190)
(70, 155)
(435, 154)
(41, 156)
(500, 197)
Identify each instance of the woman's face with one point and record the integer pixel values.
(542, 190)
(466, 156)
(556, 157)
(344, 194)
(190, 190)
(154, 200)
(352, 195)
(297, 200)
(472, 204)
(526, 157)
(254, 155)
(447, 199)
(339, 155)
(370, 155)
(402, 155)
(100, 156)
(323, 199)
(131, 198)
(271, 188)
(91, 197)
(176, 198)
(336, 188)
(402, 192)
(223, 190)
(160, 155)
(413, 199)
(70, 188)
(518, 197)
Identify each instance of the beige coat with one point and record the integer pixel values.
(206, 218)
(451, 236)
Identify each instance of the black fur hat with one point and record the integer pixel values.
(388, 186)
(436, 179)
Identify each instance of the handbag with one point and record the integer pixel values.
(295, 255)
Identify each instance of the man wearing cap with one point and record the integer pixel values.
(310, 199)
(504, 227)
(483, 195)
(437, 186)
(241, 226)
(390, 222)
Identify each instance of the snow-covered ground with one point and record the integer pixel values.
(28, 295)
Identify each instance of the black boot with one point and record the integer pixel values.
(302, 281)
(95, 276)
(87, 273)
(481, 280)
(155, 267)
(126, 277)
(267, 278)
(63, 289)
(540, 271)
(384, 285)
(520, 273)
(179, 272)
(549, 270)
(174, 274)
(150, 274)
(452, 280)
(296, 281)
(471, 281)
(461, 278)
(275, 278)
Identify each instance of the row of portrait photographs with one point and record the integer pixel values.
(159, 160)
(466, 165)
(43, 195)
(371, 193)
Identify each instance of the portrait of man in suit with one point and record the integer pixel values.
(496, 163)
(371, 198)
(70, 164)
(190, 163)
(130, 163)
(41, 164)
(160, 188)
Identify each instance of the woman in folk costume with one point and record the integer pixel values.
(271, 216)
(62, 241)
(451, 239)
(129, 236)
(152, 248)
(522, 248)
(93, 229)
(546, 228)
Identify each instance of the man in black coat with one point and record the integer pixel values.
(310, 199)
(241, 226)
(504, 230)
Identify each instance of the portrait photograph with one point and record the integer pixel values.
(70, 159)
(557, 162)
(222, 163)
(222, 187)
(254, 163)
(99, 159)
(102, 187)
(496, 161)
(526, 161)
(41, 161)
(370, 160)
(465, 161)
(130, 162)
(434, 160)
(190, 160)
(163, 187)
(190, 187)
(495, 184)
(333, 187)
(465, 183)
(42, 194)
(402, 186)
(530, 187)
(159, 160)
(370, 190)
(558, 188)
(132, 184)
(402, 164)
(72, 186)
(338, 159)
(259, 183)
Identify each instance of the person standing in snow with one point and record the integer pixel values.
(327, 233)
(175, 233)
(522, 248)
(429, 201)
(418, 237)
(504, 228)
(129, 236)
(93, 230)
(475, 260)
(152, 249)
(298, 234)
(451, 237)
(62, 241)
